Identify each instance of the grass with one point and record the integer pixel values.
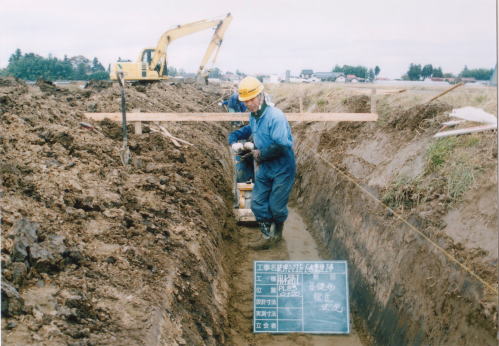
(439, 152)
(450, 149)
(479, 99)
(460, 179)
(408, 193)
(405, 193)
(453, 164)
(470, 141)
(321, 104)
(451, 169)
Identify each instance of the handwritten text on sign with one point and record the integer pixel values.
(301, 296)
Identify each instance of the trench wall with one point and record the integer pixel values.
(194, 306)
(124, 255)
(403, 289)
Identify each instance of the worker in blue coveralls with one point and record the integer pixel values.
(274, 157)
(234, 105)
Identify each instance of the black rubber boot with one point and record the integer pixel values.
(278, 231)
(267, 240)
(266, 229)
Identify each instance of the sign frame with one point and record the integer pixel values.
(296, 265)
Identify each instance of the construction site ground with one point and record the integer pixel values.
(95, 253)
(297, 245)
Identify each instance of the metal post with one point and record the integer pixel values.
(373, 100)
(125, 152)
(123, 115)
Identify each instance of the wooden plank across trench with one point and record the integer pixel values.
(139, 117)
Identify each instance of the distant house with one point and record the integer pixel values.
(452, 80)
(273, 78)
(232, 77)
(306, 74)
(310, 80)
(214, 80)
(351, 78)
(328, 76)
(340, 79)
(468, 80)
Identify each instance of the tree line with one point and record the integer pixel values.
(417, 72)
(30, 66)
(359, 71)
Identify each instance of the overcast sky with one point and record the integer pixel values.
(265, 36)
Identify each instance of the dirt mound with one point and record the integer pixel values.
(10, 82)
(419, 117)
(98, 84)
(96, 253)
(358, 104)
(48, 87)
(340, 136)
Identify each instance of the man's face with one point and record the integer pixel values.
(253, 104)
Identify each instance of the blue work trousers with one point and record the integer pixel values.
(269, 200)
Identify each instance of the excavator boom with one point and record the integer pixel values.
(214, 46)
(152, 62)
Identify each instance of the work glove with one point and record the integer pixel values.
(249, 146)
(237, 147)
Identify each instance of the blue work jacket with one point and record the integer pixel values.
(234, 103)
(272, 136)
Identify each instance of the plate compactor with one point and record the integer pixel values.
(244, 177)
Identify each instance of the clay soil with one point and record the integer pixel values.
(96, 253)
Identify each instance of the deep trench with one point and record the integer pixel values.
(402, 291)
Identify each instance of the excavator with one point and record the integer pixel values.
(151, 64)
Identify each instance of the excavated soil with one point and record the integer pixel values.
(95, 253)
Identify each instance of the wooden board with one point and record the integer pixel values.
(245, 186)
(131, 117)
(465, 131)
(446, 91)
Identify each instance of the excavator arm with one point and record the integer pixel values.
(214, 46)
(160, 58)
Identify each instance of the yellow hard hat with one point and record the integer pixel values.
(249, 88)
